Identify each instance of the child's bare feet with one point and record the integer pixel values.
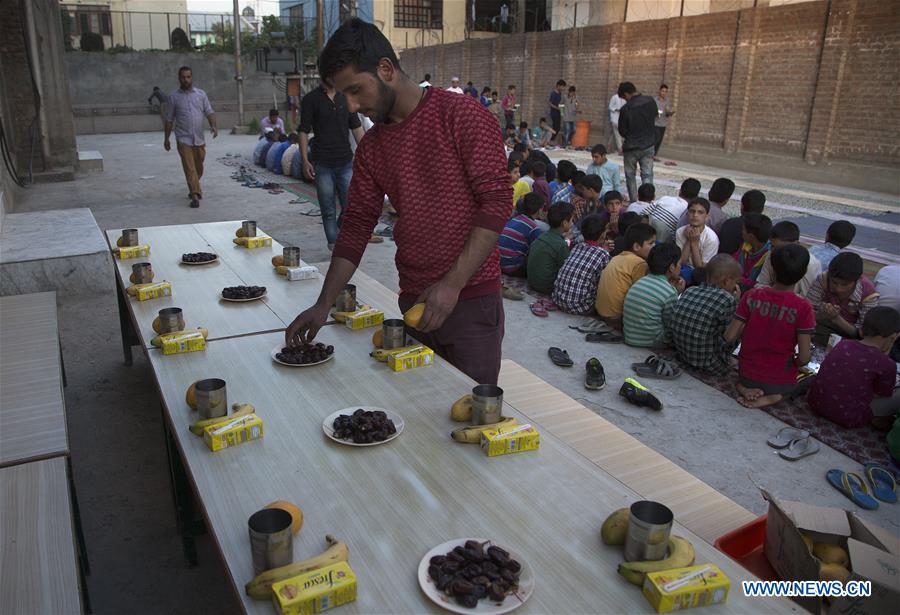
(748, 393)
(759, 402)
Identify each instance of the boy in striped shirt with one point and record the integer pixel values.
(649, 302)
(518, 235)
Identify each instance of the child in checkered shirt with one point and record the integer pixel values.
(576, 282)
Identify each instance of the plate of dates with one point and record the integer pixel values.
(363, 426)
(199, 258)
(475, 575)
(306, 355)
(243, 293)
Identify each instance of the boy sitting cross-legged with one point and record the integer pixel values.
(518, 235)
(623, 271)
(771, 322)
(698, 242)
(548, 253)
(755, 250)
(576, 283)
(649, 301)
(841, 297)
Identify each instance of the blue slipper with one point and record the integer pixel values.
(884, 486)
(853, 486)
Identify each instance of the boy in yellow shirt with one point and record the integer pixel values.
(623, 271)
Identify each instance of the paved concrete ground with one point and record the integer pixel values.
(114, 414)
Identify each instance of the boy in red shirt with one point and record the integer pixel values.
(771, 322)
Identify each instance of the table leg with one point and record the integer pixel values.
(181, 497)
(84, 564)
(129, 336)
(62, 367)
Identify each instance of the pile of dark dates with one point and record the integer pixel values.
(243, 292)
(198, 257)
(305, 354)
(470, 573)
(364, 427)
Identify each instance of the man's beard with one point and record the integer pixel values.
(386, 99)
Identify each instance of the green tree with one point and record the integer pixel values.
(91, 41)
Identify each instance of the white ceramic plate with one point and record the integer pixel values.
(224, 298)
(328, 421)
(200, 263)
(276, 350)
(512, 601)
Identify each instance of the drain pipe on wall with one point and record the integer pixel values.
(35, 64)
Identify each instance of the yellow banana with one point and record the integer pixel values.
(239, 411)
(472, 435)
(239, 232)
(681, 554)
(461, 410)
(159, 339)
(260, 588)
(278, 260)
(382, 355)
(281, 270)
(241, 241)
(615, 527)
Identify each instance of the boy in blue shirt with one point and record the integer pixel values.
(605, 168)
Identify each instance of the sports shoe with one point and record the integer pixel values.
(195, 203)
(512, 293)
(594, 376)
(639, 395)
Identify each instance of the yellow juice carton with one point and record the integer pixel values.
(510, 440)
(421, 356)
(154, 291)
(316, 591)
(186, 341)
(260, 241)
(139, 251)
(362, 319)
(236, 432)
(685, 588)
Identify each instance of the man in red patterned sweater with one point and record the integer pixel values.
(440, 159)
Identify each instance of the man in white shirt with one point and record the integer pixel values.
(454, 86)
(615, 105)
(697, 241)
(783, 233)
(426, 82)
(665, 214)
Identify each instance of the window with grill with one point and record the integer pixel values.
(93, 21)
(426, 14)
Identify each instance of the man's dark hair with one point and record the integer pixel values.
(184, 68)
(559, 213)
(486, 89)
(847, 266)
(515, 156)
(525, 168)
(722, 265)
(721, 190)
(543, 120)
(789, 262)
(282, 137)
(612, 195)
(840, 233)
(786, 231)
(626, 87)
(468, 83)
(155, 87)
(689, 189)
(592, 227)
(523, 125)
(627, 219)
(531, 203)
(646, 193)
(273, 112)
(571, 88)
(881, 321)
(565, 170)
(512, 165)
(753, 202)
(539, 169)
(578, 178)
(663, 85)
(357, 44)
(699, 200)
(427, 77)
(520, 147)
(511, 127)
(510, 87)
(592, 182)
(495, 92)
(638, 234)
(662, 257)
(598, 149)
(758, 225)
(561, 82)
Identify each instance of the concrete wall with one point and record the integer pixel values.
(795, 85)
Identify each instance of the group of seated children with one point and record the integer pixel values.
(677, 273)
(279, 153)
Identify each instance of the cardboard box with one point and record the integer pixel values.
(245, 429)
(705, 589)
(139, 251)
(402, 361)
(154, 290)
(316, 591)
(874, 554)
(184, 341)
(307, 272)
(362, 319)
(260, 241)
(496, 442)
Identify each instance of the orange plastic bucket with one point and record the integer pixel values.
(582, 133)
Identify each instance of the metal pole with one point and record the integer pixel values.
(320, 24)
(237, 63)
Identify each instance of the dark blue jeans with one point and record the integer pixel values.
(329, 179)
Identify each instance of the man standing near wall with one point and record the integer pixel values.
(615, 106)
(663, 113)
(636, 125)
(187, 107)
(555, 111)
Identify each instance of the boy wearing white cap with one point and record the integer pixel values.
(454, 86)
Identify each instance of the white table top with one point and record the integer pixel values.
(38, 567)
(393, 503)
(195, 289)
(32, 410)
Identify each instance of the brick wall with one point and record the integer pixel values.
(817, 81)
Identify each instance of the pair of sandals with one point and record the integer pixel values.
(542, 307)
(655, 366)
(598, 331)
(852, 485)
(793, 443)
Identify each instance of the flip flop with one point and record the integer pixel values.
(656, 367)
(884, 486)
(559, 357)
(549, 305)
(591, 325)
(852, 486)
(610, 337)
(538, 309)
(800, 448)
(785, 436)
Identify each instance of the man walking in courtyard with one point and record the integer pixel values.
(555, 102)
(186, 109)
(637, 127)
(663, 113)
(440, 160)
